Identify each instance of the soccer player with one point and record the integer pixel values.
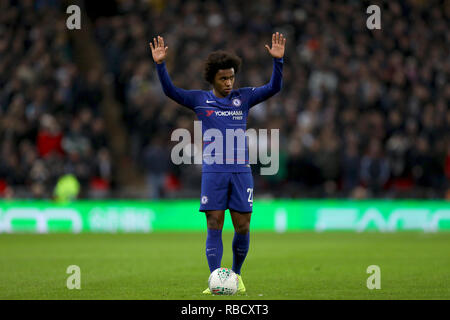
(225, 184)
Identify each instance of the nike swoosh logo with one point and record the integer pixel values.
(210, 101)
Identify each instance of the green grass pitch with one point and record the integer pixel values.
(173, 266)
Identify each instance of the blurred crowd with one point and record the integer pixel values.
(362, 113)
(50, 125)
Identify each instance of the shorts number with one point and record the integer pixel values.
(250, 194)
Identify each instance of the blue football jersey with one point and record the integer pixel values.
(227, 117)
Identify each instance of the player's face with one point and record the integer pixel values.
(223, 82)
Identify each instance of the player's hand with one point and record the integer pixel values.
(159, 51)
(278, 44)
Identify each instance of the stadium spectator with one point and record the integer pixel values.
(374, 170)
(157, 162)
(49, 137)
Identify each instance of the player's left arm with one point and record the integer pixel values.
(264, 92)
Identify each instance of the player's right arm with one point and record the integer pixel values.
(181, 96)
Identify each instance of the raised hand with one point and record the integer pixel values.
(159, 51)
(278, 44)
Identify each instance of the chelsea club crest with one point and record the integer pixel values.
(236, 102)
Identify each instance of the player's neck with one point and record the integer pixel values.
(217, 94)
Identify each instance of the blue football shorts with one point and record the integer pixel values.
(227, 190)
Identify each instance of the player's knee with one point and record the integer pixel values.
(243, 228)
(214, 222)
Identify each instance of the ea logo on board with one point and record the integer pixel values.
(204, 200)
(236, 102)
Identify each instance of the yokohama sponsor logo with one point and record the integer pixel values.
(228, 113)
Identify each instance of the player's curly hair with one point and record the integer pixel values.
(218, 60)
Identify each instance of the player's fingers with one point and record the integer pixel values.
(155, 43)
(277, 38)
(284, 41)
(151, 46)
(166, 48)
(267, 47)
(281, 38)
(162, 41)
(273, 38)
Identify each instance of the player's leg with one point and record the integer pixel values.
(214, 196)
(214, 245)
(241, 206)
(241, 243)
(241, 239)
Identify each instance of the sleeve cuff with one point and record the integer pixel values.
(278, 60)
(160, 65)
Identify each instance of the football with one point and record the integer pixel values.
(223, 281)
